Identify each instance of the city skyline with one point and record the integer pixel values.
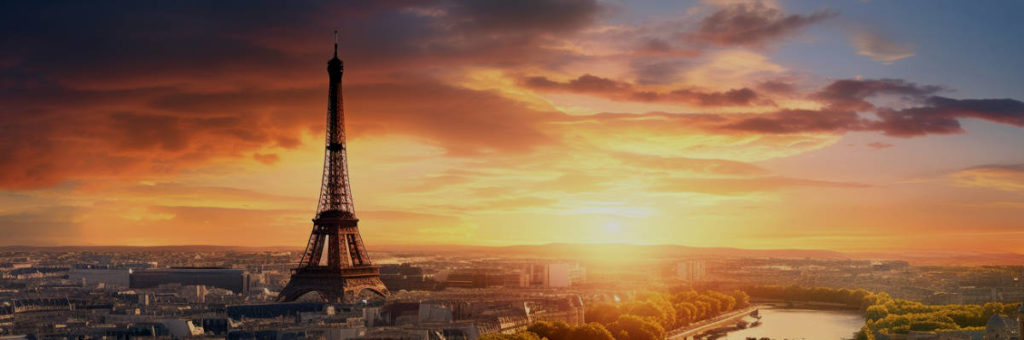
(851, 126)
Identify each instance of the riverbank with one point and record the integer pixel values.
(791, 304)
(712, 325)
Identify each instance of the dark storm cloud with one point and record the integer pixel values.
(139, 89)
(799, 121)
(753, 24)
(124, 43)
(852, 94)
(941, 115)
(1006, 111)
(777, 86)
(145, 88)
(583, 84)
(535, 16)
(617, 90)
(114, 41)
(734, 97)
(842, 98)
(657, 72)
(915, 122)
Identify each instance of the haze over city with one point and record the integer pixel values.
(877, 126)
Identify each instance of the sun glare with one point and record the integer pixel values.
(612, 227)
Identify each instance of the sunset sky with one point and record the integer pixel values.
(847, 125)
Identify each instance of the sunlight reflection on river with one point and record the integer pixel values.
(803, 324)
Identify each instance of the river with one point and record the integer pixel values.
(782, 324)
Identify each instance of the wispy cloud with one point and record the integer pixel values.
(881, 48)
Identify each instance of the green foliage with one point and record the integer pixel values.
(858, 298)
(603, 313)
(517, 336)
(562, 331)
(741, 298)
(865, 334)
(876, 312)
(651, 313)
(557, 330)
(590, 331)
(637, 328)
(887, 315)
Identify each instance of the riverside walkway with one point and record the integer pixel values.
(701, 327)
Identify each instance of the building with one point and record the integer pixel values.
(405, 277)
(1002, 328)
(691, 270)
(109, 278)
(558, 275)
(484, 278)
(230, 279)
(276, 310)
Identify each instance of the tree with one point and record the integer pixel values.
(558, 330)
(653, 311)
(742, 299)
(636, 328)
(603, 313)
(590, 331)
(685, 313)
(865, 334)
(876, 312)
(517, 336)
(990, 309)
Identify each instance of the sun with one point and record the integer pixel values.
(612, 228)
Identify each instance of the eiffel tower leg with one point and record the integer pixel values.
(333, 288)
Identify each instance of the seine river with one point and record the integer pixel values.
(803, 324)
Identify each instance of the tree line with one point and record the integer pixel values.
(646, 317)
(884, 314)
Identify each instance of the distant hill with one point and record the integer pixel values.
(561, 250)
(629, 251)
(949, 259)
(613, 252)
(172, 248)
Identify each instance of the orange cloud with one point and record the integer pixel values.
(1008, 177)
(746, 185)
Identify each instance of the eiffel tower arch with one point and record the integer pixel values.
(335, 264)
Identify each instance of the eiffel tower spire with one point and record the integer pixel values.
(335, 263)
(335, 192)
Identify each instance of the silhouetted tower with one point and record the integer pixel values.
(335, 263)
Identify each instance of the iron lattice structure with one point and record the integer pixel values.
(335, 263)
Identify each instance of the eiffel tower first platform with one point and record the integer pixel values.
(335, 264)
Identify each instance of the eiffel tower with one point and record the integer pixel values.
(335, 264)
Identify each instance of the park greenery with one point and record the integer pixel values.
(646, 316)
(649, 315)
(887, 315)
